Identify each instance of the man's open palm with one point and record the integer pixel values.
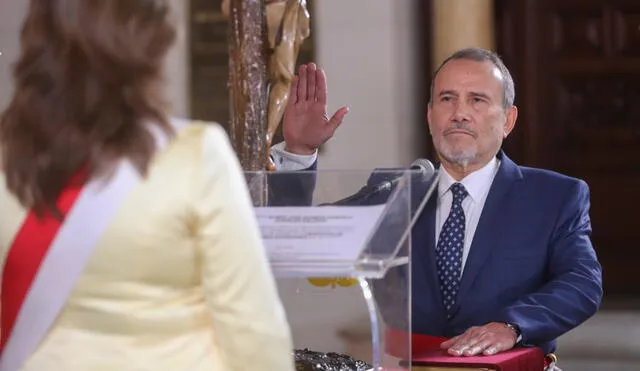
(306, 123)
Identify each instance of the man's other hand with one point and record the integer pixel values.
(489, 339)
(306, 124)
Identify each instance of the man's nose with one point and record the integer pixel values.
(461, 112)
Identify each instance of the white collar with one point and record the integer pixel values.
(476, 183)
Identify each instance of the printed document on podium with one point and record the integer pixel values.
(317, 233)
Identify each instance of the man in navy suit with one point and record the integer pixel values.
(502, 253)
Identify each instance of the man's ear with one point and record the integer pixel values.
(510, 123)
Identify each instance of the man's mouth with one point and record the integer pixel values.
(459, 131)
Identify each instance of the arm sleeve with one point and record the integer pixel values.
(249, 323)
(574, 290)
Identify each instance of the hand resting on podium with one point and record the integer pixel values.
(489, 339)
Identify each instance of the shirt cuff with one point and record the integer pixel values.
(288, 161)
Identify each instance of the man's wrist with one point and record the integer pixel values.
(516, 330)
(300, 150)
(285, 160)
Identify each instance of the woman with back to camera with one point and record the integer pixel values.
(127, 239)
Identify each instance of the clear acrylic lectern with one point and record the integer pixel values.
(339, 244)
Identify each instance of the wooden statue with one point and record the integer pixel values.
(248, 81)
(287, 25)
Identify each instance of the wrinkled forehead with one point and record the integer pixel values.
(468, 75)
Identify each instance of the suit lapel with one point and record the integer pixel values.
(424, 251)
(431, 270)
(490, 223)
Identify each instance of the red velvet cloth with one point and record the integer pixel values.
(396, 343)
(519, 359)
(426, 351)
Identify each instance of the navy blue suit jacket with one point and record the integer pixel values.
(531, 260)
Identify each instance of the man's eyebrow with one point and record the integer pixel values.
(480, 95)
(447, 92)
(473, 94)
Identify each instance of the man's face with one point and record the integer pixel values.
(467, 118)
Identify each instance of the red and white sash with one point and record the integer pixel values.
(48, 256)
(46, 259)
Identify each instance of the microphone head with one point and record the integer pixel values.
(424, 166)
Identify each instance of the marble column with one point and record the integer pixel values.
(458, 24)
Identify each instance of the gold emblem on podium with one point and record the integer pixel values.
(333, 282)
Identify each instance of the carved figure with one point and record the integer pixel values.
(288, 25)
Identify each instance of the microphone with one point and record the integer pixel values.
(424, 166)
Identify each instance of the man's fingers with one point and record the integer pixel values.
(457, 343)
(311, 82)
(321, 86)
(486, 340)
(478, 348)
(337, 117)
(447, 344)
(464, 344)
(494, 348)
(293, 92)
(302, 83)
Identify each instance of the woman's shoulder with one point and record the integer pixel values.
(195, 134)
(196, 129)
(194, 141)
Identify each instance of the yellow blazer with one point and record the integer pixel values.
(178, 281)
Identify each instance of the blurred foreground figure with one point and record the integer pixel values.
(127, 238)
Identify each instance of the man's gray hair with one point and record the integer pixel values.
(482, 55)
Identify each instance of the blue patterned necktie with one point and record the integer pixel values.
(449, 248)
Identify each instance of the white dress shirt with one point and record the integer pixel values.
(477, 185)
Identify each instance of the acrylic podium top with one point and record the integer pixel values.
(347, 223)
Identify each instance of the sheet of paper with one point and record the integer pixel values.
(326, 233)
